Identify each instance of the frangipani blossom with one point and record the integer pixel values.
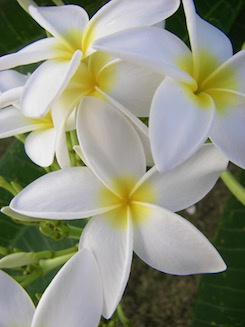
(72, 41)
(73, 298)
(129, 87)
(202, 96)
(131, 209)
(47, 136)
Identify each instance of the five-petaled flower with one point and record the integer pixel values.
(203, 94)
(131, 209)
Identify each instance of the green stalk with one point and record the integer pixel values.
(74, 232)
(234, 186)
(50, 264)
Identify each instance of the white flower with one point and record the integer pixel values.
(202, 96)
(73, 298)
(72, 41)
(47, 136)
(131, 209)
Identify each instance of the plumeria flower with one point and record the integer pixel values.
(129, 87)
(47, 136)
(73, 298)
(131, 209)
(203, 95)
(71, 42)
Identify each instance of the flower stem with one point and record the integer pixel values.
(121, 315)
(50, 264)
(74, 232)
(7, 186)
(234, 186)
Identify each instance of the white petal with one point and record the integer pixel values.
(206, 42)
(61, 110)
(131, 85)
(46, 84)
(11, 79)
(35, 52)
(188, 183)
(12, 122)
(151, 47)
(110, 144)
(112, 247)
(16, 307)
(229, 76)
(118, 15)
(179, 123)
(140, 127)
(10, 97)
(74, 297)
(70, 193)
(65, 23)
(171, 244)
(228, 131)
(40, 146)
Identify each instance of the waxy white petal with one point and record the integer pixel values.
(118, 15)
(131, 85)
(11, 79)
(16, 307)
(229, 76)
(65, 23)
(46, 84)
(61, 110)
(10, 97)
(40, 146)
(171, 244)
(112, 247)
(179, 123)
(12, 122)
(37, 51)
(110, 145)
(207, 42)
(151, 47)
(228, 131)
(140, 127)
(70, 193)
(74, 297)
(188, 183)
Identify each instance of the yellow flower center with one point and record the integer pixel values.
(127, 201)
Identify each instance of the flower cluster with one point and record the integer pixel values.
(96, 79)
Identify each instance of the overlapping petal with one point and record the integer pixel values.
(40, 146)
(74, 297)
(210, 46)
(131, 85)
(49, 79)
(110, 144)
(10, 79)
(113, 248)
(70, 193)
(171, 244)
(37, 51)
(188, 183)
(12, 122)
(228, 131)
(16, 307)
(65, 23)
(118, 15)
(229, 76)
(152, 47)
(179, 123)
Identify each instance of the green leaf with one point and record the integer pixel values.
(221, 297)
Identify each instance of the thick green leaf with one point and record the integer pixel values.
(221, 297)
